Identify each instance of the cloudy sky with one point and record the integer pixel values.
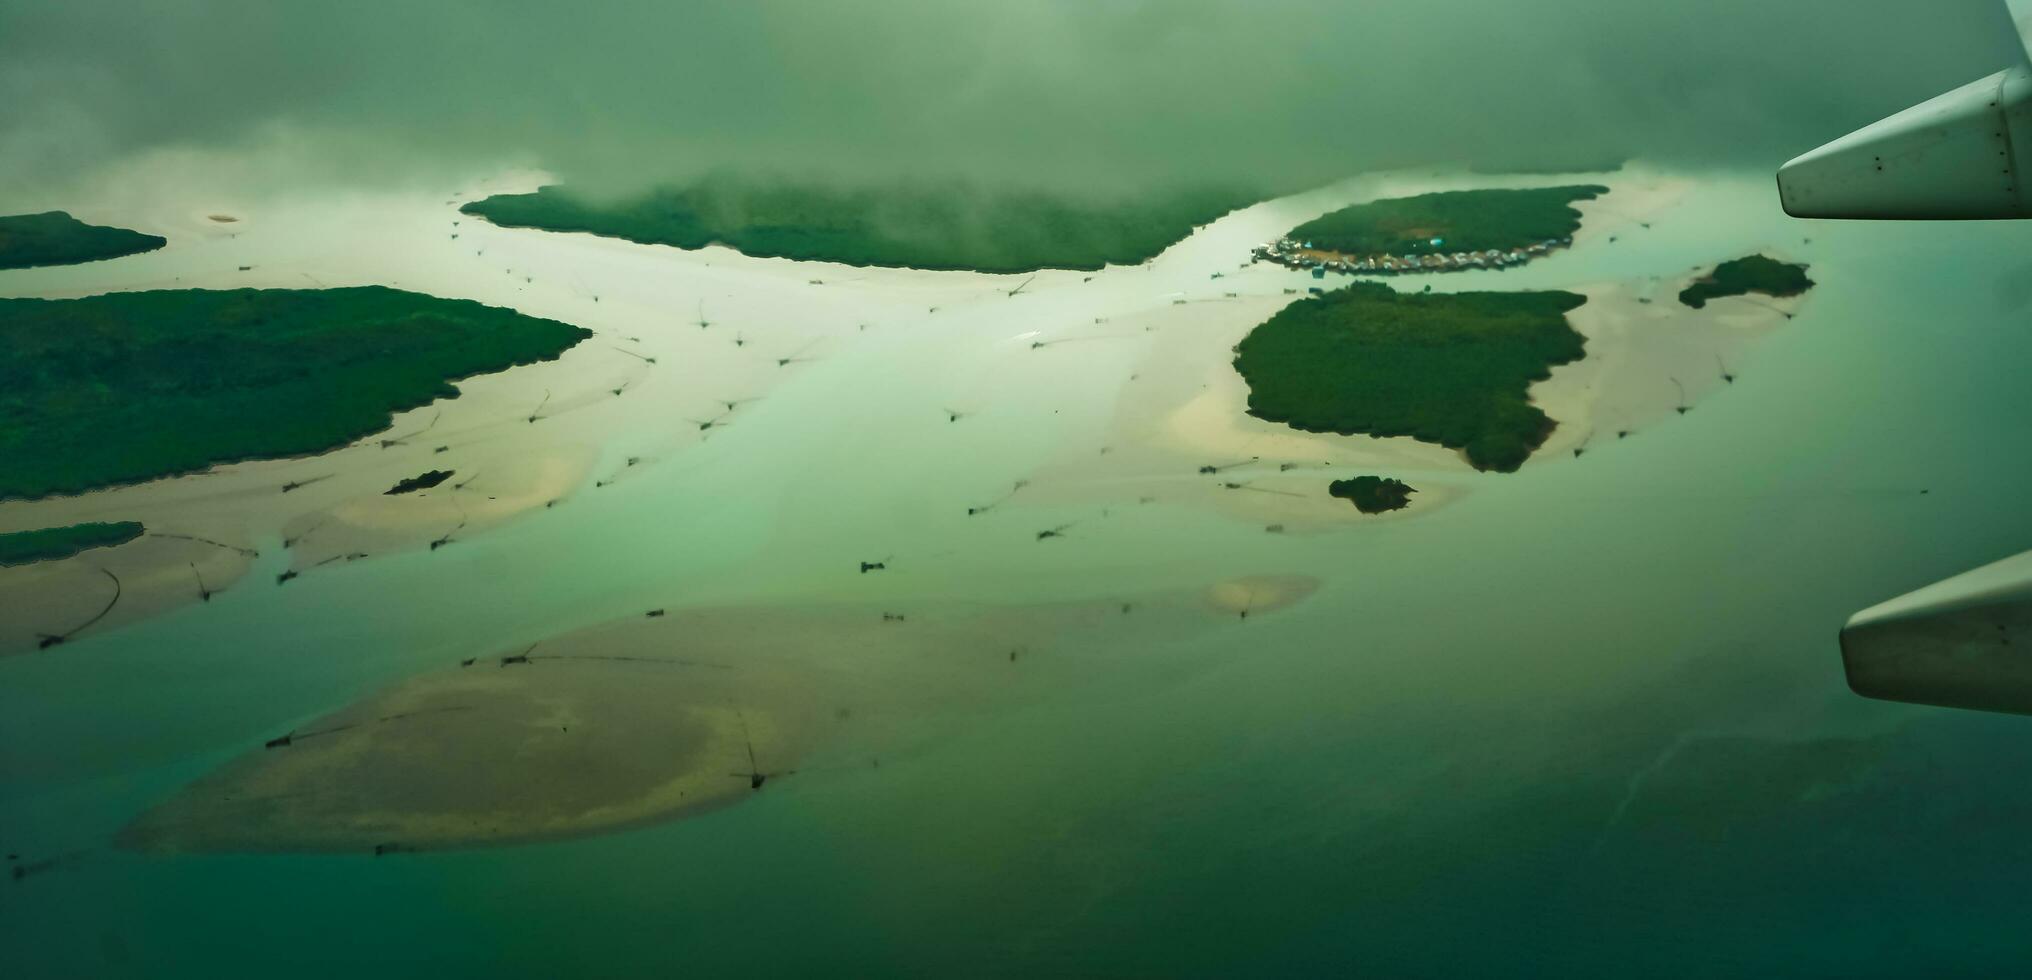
(1089, 92)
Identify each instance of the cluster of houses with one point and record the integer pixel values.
(1301, 255)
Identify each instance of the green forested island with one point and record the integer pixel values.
(56, 238)
(126, 387)
(1373, 494)
(1453, 369)
(947, 226)
(1751, 274)
(50, 543)
(1461, 221)
(421, 481)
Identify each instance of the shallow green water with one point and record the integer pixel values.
(1587, 721)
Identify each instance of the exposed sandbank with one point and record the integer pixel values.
(654, 718)
(1648, 358)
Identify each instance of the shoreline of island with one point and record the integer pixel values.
(590, 438)
(922, 227)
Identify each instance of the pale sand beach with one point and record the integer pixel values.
(1648, 357)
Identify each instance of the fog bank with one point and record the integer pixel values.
(621, 94)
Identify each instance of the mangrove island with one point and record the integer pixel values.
(1750, 274)
(1449, 368)
(421, 481)
(126, 387)
(1374, 494)
(56, 238)
(1448, 231)
(52, 543)
(939, 226)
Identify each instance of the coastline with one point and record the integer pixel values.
(1145, 349)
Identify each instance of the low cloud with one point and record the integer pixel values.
(1115, 94)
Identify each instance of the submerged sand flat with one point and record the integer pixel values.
(487, 754)
(1257, 595)
(654, 718)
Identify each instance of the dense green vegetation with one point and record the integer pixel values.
(920, 226)
(1464, 221)
(50, 543)
(1374, 494)
(56, 238)
(1752, 274)
(127, 387)
(421, 481)
(1448, 368)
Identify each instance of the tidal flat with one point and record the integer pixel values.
(937, 225)
(1560, 674)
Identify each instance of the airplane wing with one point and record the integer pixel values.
(1966, 154)
(1965, 642)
